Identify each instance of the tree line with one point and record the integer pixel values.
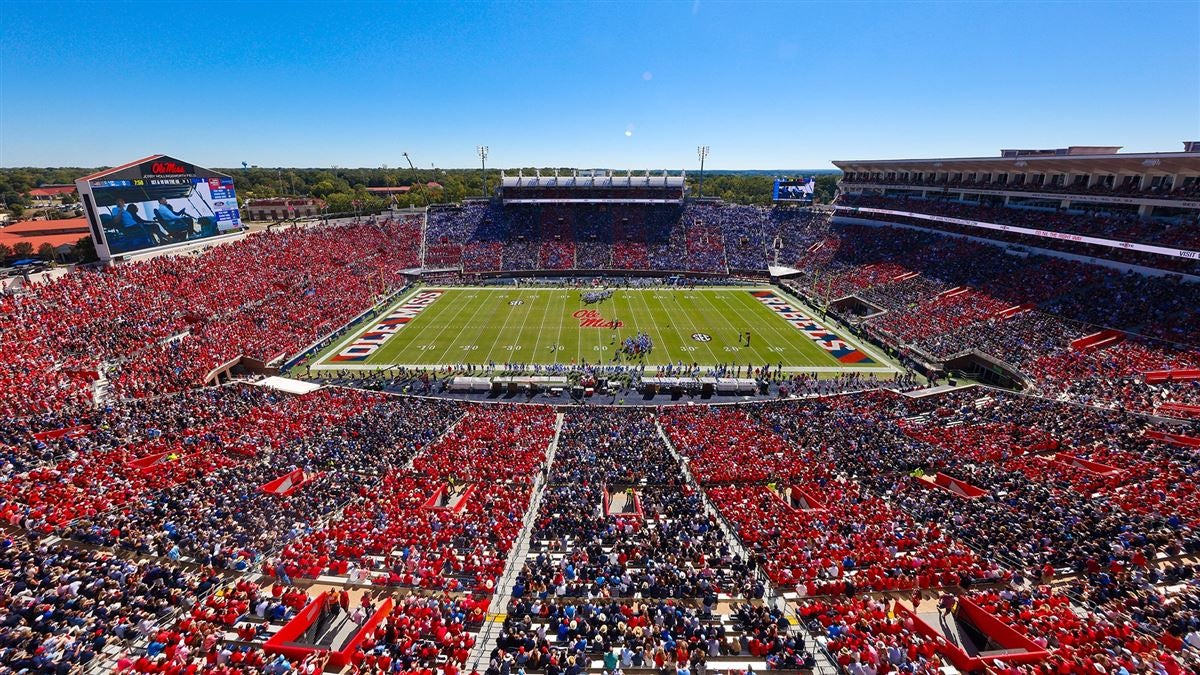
(341, 188)
(345, 190)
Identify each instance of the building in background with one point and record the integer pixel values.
(281, 208)
(62, 235)
(1147, 185)
(50, 193)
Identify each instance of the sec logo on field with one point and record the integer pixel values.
(701, 337)
(514, 303)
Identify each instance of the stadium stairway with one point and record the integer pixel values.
(493, 624)
(106, 661)
(100, 390)
(950, 629)
(424, 228)
(825, 662)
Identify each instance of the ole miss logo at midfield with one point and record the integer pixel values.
(591, 318)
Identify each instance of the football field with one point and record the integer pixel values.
(434, 326)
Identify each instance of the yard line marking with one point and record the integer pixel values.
(368, 325)
(396, 347)
(537, 342)
(734, 358)
(768, 324)
(502, 327)
(579, 358)
(527, 307)
(391, 349)
(776, 325)
(688, 314)
(480, 304)
(886, 363)
(562, 313)
(657, 328)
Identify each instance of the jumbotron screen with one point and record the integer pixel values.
(159, 202)
(794, 190)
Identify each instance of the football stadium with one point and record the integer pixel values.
(919, 416)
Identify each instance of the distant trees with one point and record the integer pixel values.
(341, 187)
(85, 250)
(755, 189)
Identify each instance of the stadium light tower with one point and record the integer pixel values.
(424, 188)
(702, 153)
(482, 150)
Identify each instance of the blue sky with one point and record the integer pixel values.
(765, 85)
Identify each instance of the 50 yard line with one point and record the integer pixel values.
(537, 337)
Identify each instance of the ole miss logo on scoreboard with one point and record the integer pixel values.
(167, 167)
(824, 338)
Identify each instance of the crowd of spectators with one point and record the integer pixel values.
(705, 238)
(419, 633)
(612, 636)
(1042, 515)
(90, 475)
(865, 634)
(1147, 631)
(829, 497)
(229, 511)
(637, 585)
(942, 298)
(1124, 227)
(62, 607)
(159, 325)
(143, 519)
(705, 242)
(1115, 376)
(446, 521)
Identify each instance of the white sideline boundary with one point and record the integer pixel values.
(883, 365)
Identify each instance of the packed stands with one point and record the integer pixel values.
(784, 507)
(446, 522)
(835, 499)
(158, 326)
(174, 528)
(625, 565)
(1179, 233)
(66, 607)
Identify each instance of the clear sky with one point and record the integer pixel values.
(603, 84)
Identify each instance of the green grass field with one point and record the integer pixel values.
(542, 326)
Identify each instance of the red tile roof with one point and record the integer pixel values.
(55, 240)
(27, 227)
(51, 190)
